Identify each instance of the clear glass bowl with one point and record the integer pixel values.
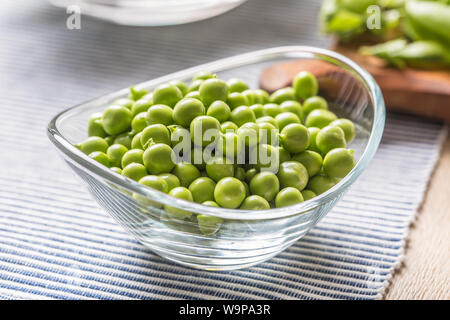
(151, 12)
(244, 238)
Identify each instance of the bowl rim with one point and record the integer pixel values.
(82, 161)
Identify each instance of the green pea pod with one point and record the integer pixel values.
(424, 54)
(387, 51)
(428, 20)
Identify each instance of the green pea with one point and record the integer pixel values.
(110, 140)
(228, 126)
(139, 122)
(265, 184)
(219, 110)
(242, 115)
(204, 75)
(250, 173)
(247, 188)
(272, 109)
(347, 126)
(313, 131)
(160, 114)
(236, 99)
(155, 133)
(282, 95)
(186, 173)
(319, 118)
(93, 144)
(284, 154)
(95, 126)
(285, 118)
(288, 197)
(229, 193)
(321, 183)
(249, 133)
(305, 85)
(202, 189)
(209, 225)
(255, 202)
(123, 139)
(124, 102)
(195, 85)
(116, 119)
(218, 168)
(199, 157)
(338, 162)
(115, 154)
(142, 105)
(180, 136)
(100, 157)
(311, 160)
(136, 141)
(313, 103)
(268, 133)
(116, 170)
(239, 173)
(293, 106)
(159, 158)
(293, 174)
(308, 194)
(204, 130)
(180, 193)
(261, 96)
(268, 158)
(180, 85)
(329, 138)
(294, 138)
(132, 156)
(209, 204)
(155, 182)
(250, 96)
(268, 119)
(186, 110)
(194, 95)
(236, 85)
(230, 145)
(167, 94)
(212, 90)
(136, 94)
(258, 110)
(135, 171)
(171, 180)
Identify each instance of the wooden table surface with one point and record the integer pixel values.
(425, 273)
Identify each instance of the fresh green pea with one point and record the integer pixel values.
(229, 192)
(218, 168)
(293, 174)
(236, 99)
(255, 202)
(167, 94)
(265, 184)
(311, 160)
(195, 85)
(160, 114)
(209, 204)
(250, 96)
(320, 118)
(204, 75)
(159, 158)
(180, 193)
(239, 173)
(272, 109)
(305, 85)
(209, 225)
(212, 90)
(347, 126)
(293, 106)
(236, 85)
(204, 130)
(321, 183)
(268, 158)
(116, 170)
(116, 119)
(110, 140)
(313, 103)
(115, 154)
(338, 162)
(242, 115)
(123, 139)
(250, 173)
(285, 118)
(180, 85)
(228, 126)
(294, 138)
(186, 110)
(139, 122)
(186, 173)
(230, 145)
(136, 94)
(95, 126)
(313, 131)
(249, 133)
(155, 182)
(202, 189)
(329, 138)
(194, 95)
(132, 156)
(268, 119)
(284, 154)
(308, 194)
(288, 197)
(100, 157)
(135, 171)
(219, 110)
(136, 141)
(261, 96)
(142, 105)
(258, 110)
(247, 188)
(268, 133)
(93, 144)
(171, 180)
(155, 133)
(282, 95)
(124, 102)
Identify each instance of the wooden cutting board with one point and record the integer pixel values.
(420, 92)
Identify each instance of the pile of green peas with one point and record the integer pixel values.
(137, 138)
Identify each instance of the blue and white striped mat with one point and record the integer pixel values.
(55, 242)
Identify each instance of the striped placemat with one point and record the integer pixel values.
(55, 242)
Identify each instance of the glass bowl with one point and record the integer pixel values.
(240, 238)
(151, 12)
